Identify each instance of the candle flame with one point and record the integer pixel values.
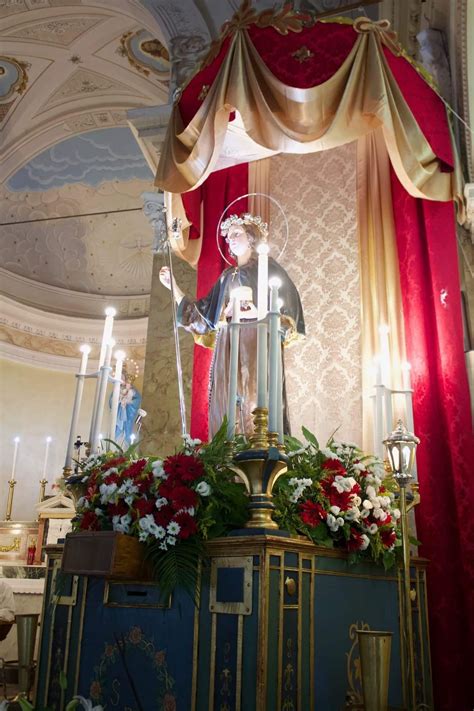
(263, 248)
(119, 355)
(16, 439)
(110, 311)
(85, 348)
(49, 439)
(274, 281)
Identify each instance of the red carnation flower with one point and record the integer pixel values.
(89, 522)
(115, 462)
(144, 507)
(388, 537)
(118, 509)
(187, 524)
(145, 483)
(312, 514)
(334, 465)
(112, 479)
(183, 467)
(135, 469)
(182, 498)
(355, 541)
(164, 516)
(343, 499)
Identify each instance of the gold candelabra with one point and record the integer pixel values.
(11, 491)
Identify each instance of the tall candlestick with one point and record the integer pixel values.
(234, 365)
(280, 394)
(262, 329)
(120, 357)
(85, 350)
(45, 463)
(406, 382)
(110, 314)
(384, 330)
(16, 442)
(274, 338)
(378, 424)
(101, 390)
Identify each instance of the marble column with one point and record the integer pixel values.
(161, 429)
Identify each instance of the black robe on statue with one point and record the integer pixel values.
(205, 319)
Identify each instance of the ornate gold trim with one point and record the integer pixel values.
(19, 85)
(232, 608)
(353, 664)
(15, 546)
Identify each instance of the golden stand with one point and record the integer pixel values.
(259, 468)
(11, 491)
(42, 493)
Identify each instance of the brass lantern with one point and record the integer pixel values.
(401, 447)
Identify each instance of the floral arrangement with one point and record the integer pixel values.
(337, 496)
(172, 505)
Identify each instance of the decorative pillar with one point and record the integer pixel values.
(161, 429)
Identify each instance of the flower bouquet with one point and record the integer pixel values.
(339, 497)
(171, 505)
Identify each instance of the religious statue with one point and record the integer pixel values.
(128, 409)
(207, 319)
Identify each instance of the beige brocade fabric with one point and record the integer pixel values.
(323, 372)
(360, 97)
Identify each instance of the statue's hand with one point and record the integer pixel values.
(165, 277)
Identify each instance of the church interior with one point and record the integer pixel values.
(236, 355)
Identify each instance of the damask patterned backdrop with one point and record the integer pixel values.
(318, 192)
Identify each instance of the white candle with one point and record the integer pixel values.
(119, 358)
(378, 424)
(45, 463)
(388, 411)
(234, 365)
(274, 328)
(15, 455)
(85, 350)
(384, 330)
(110, 313)
(280, 389)
(406, 381)
(262, 329)
(101, 393)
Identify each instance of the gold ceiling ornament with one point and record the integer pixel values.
(302, 54)
(284, 20)
(18, 85)
(150, 47)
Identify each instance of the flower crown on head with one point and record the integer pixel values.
(246, 218)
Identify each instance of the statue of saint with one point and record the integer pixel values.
(207, 320)
(128, 409)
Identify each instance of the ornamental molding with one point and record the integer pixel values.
(66, 302)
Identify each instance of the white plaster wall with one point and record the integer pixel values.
(35, 403)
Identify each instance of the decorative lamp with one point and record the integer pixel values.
(401, 447)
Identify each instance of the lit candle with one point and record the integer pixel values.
(45, 463)
(119, 358)
(262, 310)
(15, 455)
(274, 328)
(234, 365)
(280, 389)
(85, 350)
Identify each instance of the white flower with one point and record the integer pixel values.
(365, 542)
(145, 522)
(190, 443)
(129, 499)
(356, 500)
(396, 514)
(106, 492)
(352, 514)
(335, 510)
(359, 467)
(171, 541)
(157, 531)
(329, 453)
(85, 703)
(371, 492)
(158, 471)
(334, 523)
(161, 502)
(122, 523)
(365, 513)
(143, 536)
(163, 546)
(373, 528)
(99, 512)
(340, 521)
(128, 487)
(173, 528)
(203, 489)
(367, 504)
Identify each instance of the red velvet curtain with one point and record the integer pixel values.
(426, 240)
(213, 197)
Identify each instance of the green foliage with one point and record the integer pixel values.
(178, 567)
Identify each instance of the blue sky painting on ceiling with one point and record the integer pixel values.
(91, 158)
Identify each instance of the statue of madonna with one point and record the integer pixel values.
(207, 319)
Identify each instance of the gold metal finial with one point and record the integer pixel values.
(259, 439)
(11, 491)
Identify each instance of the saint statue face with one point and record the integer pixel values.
(238, 240)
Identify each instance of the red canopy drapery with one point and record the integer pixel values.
(431, 310)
